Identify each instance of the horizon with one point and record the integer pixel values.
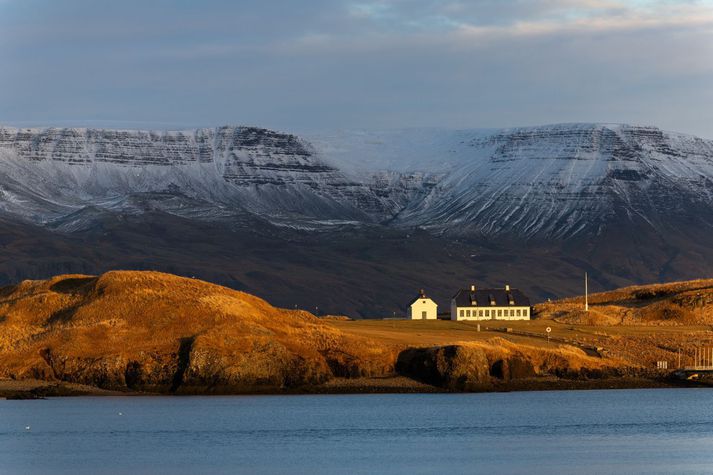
(157, 127)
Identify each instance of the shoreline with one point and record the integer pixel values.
(37, 389)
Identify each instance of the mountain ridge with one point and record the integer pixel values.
(530, 206)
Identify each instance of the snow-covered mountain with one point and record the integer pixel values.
(356, 221)
(553, 181)
(47, 175)
(565, 180)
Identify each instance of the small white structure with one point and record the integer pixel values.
(490, 304)
(422, 308)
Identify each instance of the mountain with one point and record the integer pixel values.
(548, 182)
(357, 221)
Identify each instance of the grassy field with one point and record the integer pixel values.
(638, 344)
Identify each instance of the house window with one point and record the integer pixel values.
(462, 312)
(487, 313)
(526, 311)
(519, 312)
(467, 313)
(512, 313)
(480, 313)
(500, 313)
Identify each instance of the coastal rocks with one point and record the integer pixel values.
(514, 367)
(494, 366)
(246, 366)
(453, 367)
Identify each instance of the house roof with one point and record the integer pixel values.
(486, 297)
(421, 296)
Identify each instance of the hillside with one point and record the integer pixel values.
(152, 331)
(676, 303)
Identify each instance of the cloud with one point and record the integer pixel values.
(368, 63)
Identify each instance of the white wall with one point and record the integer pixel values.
(494, 313)
(415, 311)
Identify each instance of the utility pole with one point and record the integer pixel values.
(586, 293)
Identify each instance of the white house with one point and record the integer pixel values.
(422, 308)
(490, 304)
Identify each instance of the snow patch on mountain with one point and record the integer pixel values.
(554, 181)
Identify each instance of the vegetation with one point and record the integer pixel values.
(149, 331)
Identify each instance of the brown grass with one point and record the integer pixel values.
(99, 329)
(676, 303)
(155, 331)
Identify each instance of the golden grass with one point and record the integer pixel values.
(130, 329)
(675, 303)
(142, 317)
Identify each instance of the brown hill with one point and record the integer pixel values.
(148, 330)
(676, 303)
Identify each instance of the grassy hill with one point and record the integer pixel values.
(676, 303)
(149, 331)
(157, 331)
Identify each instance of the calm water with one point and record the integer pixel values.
(632, 431)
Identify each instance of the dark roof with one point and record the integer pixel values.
(485, 297)
(421, 296)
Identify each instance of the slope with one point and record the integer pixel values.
(147, 330)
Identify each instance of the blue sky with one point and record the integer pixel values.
(326, 64)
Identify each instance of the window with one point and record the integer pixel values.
(480, 313)
(462, 312)
(519, 312)
(500, 313)
(487, 313)
(423, 315)
(512, 313)
(526, 312)
(467, 313)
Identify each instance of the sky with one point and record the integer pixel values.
(311, 65)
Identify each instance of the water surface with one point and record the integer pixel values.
(627, 431)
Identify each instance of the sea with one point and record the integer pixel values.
(550, 432)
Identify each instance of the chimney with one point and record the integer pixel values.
(507, 287)
(472, 288)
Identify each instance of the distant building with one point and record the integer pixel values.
(490, 304)
(422, 308)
